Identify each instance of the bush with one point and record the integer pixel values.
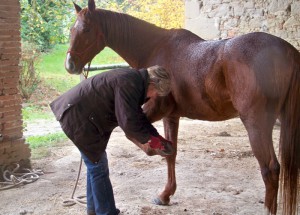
(29, 78)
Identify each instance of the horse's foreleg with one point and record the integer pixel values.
(171, 131)
(259, 129)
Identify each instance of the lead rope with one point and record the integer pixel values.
(14, 178)
(86, 73)
(81, 199)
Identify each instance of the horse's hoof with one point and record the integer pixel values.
(158, 201)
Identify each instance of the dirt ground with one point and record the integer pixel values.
(216, 174)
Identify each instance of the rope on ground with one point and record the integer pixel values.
(13, 178)
(80, 200)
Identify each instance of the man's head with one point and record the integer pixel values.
(159, 79)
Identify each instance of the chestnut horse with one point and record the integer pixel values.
(255, 76)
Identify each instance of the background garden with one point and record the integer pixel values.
(45, 28)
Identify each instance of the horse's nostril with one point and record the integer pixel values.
(69, 65)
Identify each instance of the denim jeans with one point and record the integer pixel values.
(99, 192)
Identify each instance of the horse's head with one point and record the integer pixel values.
(158, 107)
(86, 39)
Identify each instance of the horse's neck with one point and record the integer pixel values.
(131, 38)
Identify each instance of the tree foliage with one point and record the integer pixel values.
(47, 22)
(163, 13)
(29, 78)
(44, 22)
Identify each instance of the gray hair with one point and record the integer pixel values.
(161, 79)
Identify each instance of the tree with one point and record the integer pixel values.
(47, 22)
(163, 13)
(44, 22)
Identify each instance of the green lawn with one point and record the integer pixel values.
(51, 67)
(33, 112)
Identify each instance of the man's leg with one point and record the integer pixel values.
(101, 188)
(89, 195)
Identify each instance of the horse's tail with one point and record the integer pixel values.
(290, 143)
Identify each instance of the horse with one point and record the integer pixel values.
(255, 77)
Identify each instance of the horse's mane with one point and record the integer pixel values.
(125, 20)
(131, 28)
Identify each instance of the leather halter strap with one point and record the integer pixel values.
(81, 54)
(87, 49)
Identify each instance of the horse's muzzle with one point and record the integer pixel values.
(70, 65)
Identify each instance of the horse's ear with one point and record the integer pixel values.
(91, 5)
(77, 7)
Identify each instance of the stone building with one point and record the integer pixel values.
(12, 143)
(220, 19)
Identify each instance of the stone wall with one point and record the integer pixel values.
(219, 19)
(12, 143)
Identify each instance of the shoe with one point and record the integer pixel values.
(117, 211)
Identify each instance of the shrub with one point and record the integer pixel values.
(29, 78)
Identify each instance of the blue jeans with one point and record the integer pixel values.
(99, 192)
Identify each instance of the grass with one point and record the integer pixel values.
(46, 140)
(51, 68)
(40, 145)
(53, 74)
(34, 112)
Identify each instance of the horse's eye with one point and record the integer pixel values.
(86, 30)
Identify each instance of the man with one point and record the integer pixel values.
(90, 111)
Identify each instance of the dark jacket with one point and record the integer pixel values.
(91, 110)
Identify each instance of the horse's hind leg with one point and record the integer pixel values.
(259, 126)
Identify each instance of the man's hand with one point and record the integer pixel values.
(163, 146)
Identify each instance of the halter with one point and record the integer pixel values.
(80, 55)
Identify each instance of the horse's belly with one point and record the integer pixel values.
(220, 112)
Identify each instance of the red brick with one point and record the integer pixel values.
(12, 68)
(5, 44)
(10, 26)
(10, 109)
(10, 91)
(10, 2)
(10, 50)
(10, 82)
(14, 9)
(7, 17)
(10, 62)
(9, 32)
(11, 118)
(5, 98)
(10, 38)
(13, 133)
(8, 56)
(10, 73)
(14, 124)
(10, 103)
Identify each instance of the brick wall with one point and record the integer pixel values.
(219, 19)
(12, 143)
